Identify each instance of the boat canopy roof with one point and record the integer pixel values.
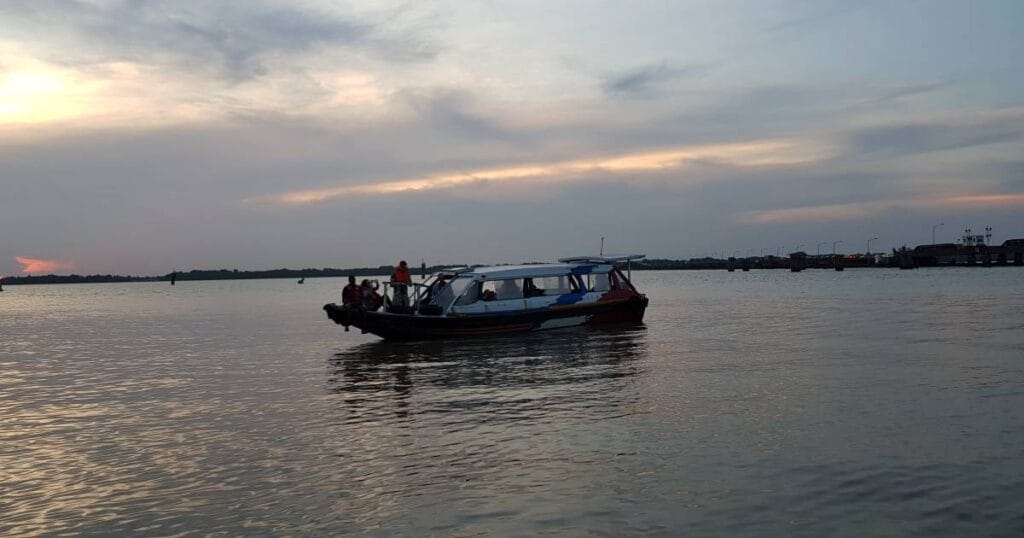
(502, 272)
(602, 259)
(578, 265)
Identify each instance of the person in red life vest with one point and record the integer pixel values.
(400, 280)
(352, 295)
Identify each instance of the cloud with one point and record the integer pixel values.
(871, 209)
(814, 14)
(450, 112)
(231, 37)
(744, 154)
(901, 93)
(924, 138)
(644, 79)
(32, 265)
(132, 63)
(1010, 174)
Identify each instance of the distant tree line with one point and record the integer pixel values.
(76, 279)
(655, 264)
(210, 274)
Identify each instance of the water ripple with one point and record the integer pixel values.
(756, 404)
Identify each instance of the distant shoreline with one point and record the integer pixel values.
(327, 272)
(757, 263)
(234, 274)
(204, 274)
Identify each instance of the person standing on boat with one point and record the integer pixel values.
(352, 295)
(400, 280)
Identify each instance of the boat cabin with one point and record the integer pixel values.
(517, 288)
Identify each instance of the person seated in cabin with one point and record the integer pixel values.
(352, 294)
(507, 289)
(488, 295)
(530, 289)
(371, 299)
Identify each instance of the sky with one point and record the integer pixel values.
(137, 137)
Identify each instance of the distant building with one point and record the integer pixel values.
(971, 250)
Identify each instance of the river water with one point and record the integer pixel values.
(870, 402)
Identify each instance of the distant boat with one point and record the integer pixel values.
(587, 290)
(302, 280)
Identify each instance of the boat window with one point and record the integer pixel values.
(598, 282)
(502, 290)
(548, 285)
(449, 290)
(471, 295)
(421, 293)
(620, 282)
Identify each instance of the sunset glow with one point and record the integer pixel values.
(747, 154)
(33, 97)
(32, 265)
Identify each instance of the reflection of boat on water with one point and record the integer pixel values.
(586, 290)
(579, 355)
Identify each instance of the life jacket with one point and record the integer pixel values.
(352, 294)
(401, 275)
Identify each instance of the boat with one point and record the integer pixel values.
(475, 301)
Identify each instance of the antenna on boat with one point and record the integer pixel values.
(602, 245)
(423, 269)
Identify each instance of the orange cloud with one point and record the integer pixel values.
(31, 265)
(864, 210)
(746, 154)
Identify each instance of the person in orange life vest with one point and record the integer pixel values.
(352, 295)
(401, 279)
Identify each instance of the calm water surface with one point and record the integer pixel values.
(862, 403)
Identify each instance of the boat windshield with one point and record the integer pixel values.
(447, 291)
(425, 290)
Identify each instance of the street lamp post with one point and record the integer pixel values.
(834, 243)
(933, 231)
(797, 249)
(819, 246)
(869, 244)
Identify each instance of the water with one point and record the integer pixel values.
(868, 402)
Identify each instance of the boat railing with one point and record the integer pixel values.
(415, 292)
